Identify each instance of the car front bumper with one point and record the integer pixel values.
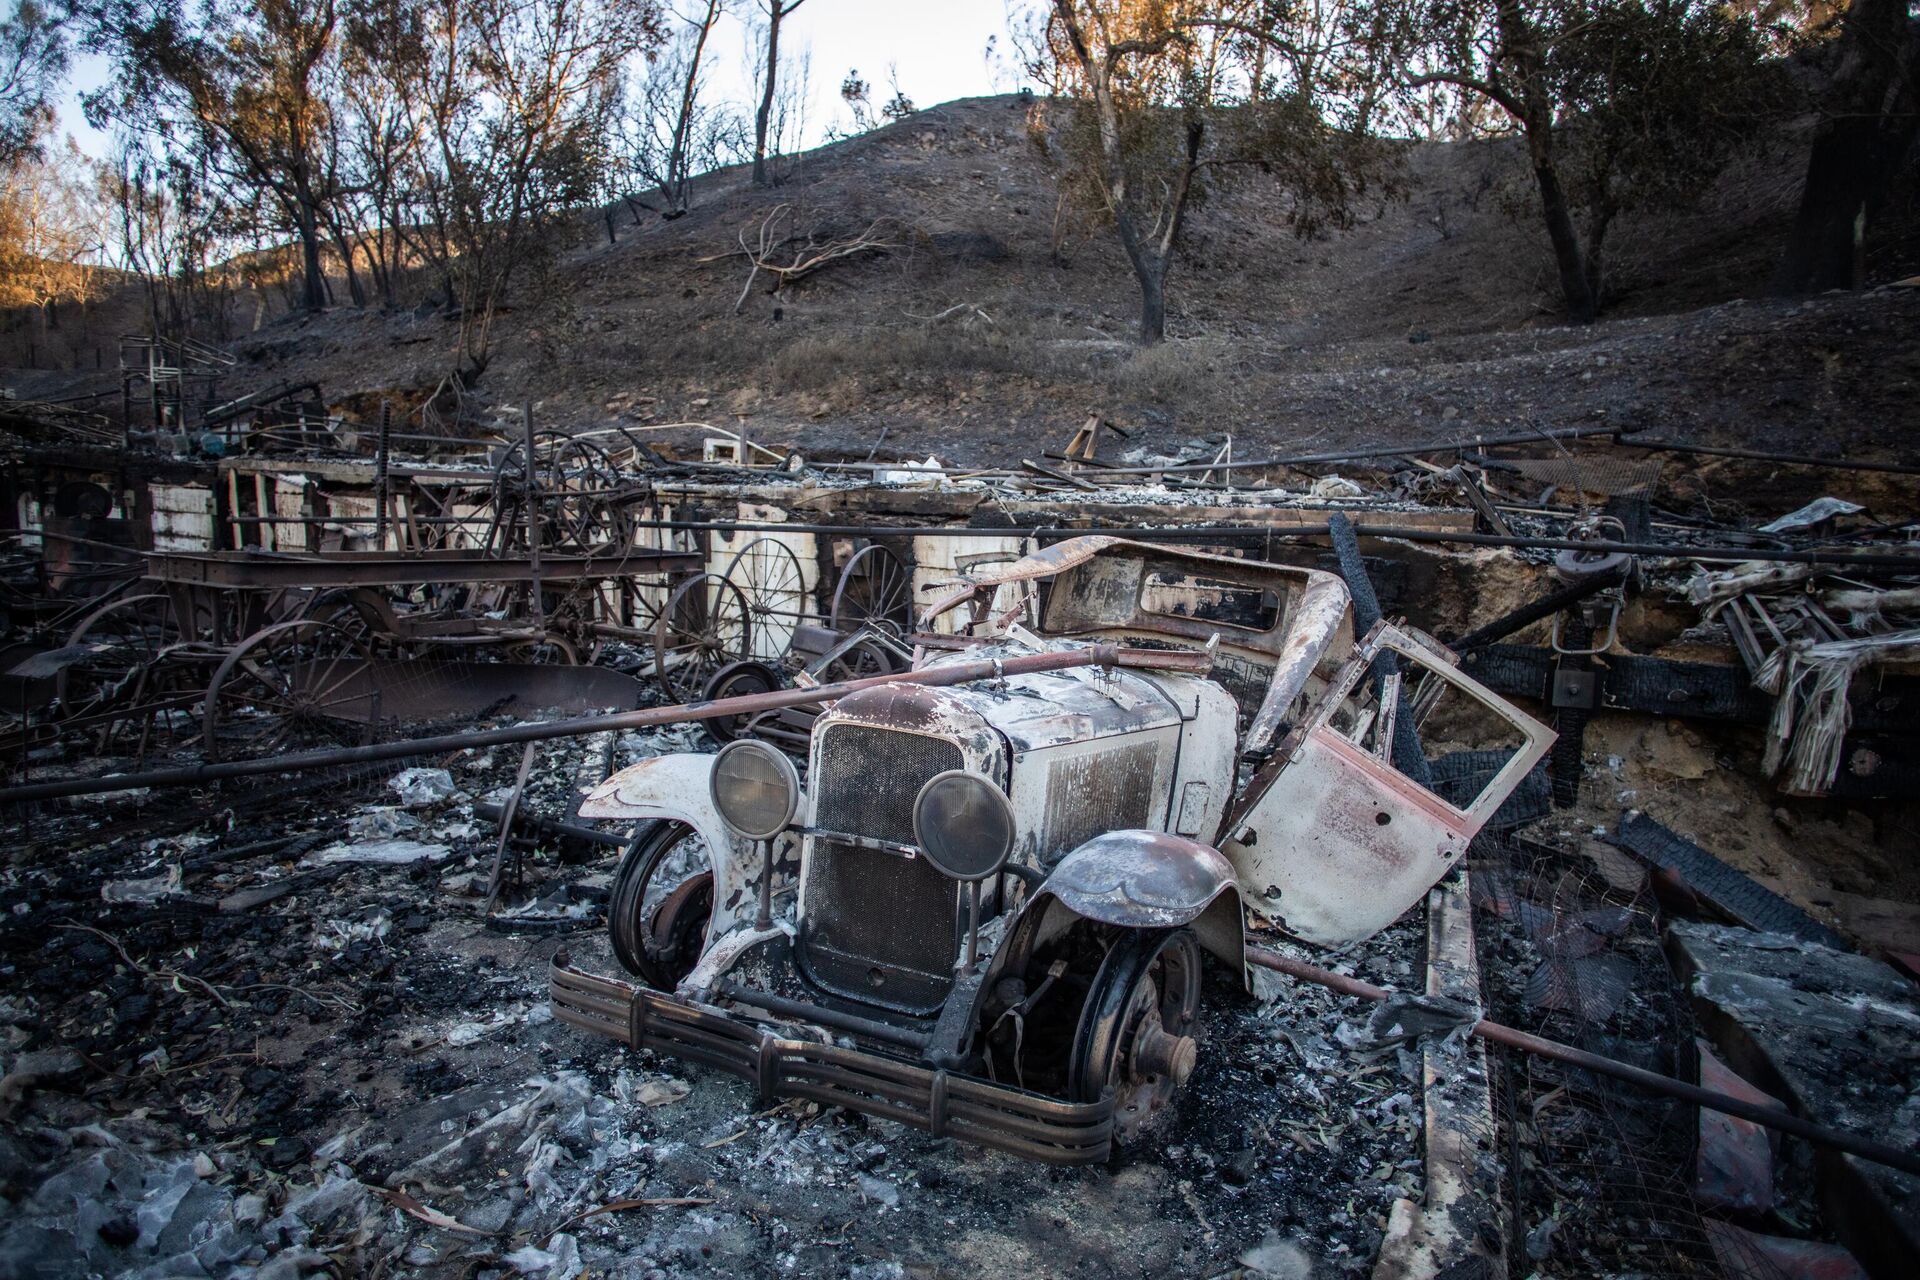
(945, 1104)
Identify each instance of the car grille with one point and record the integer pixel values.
(879, 928)
(866, 779)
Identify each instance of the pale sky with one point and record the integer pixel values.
(939, 47)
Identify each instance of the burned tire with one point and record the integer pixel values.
(657, 914)
(1136, 1034)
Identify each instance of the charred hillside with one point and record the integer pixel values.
(979, 321)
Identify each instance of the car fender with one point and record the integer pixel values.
(1138, 880)
(675, 787)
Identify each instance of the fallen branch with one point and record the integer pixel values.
(170, 977)
(959, 308)
(652, 1202)
(809, 255)
(432, 1217)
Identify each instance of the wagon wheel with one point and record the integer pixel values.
(862, 660)
(138, 676)
(288, 685)
(875, 590)
(1136, 1030)
(128, 636)
(581, 478)
(644, 595)
(551, 650)
(336, 608)
(768, 575)
(216, 617)
(661, 903)
(509, 531)
(703, 627)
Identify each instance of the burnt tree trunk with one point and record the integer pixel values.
(1150, 271)
(1535, 110)
(764, 116)
(1567, 258)
(676, 182)
(343, 246)
(313, 290)
(1868, 127)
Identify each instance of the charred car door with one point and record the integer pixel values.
(1334, 838)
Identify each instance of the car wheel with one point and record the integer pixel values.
(661, 903)
(1137, 1029)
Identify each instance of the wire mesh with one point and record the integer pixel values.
(1600, 1175)
(1606, 472)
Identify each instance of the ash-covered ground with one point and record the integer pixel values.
(273, 1033)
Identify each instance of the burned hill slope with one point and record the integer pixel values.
(978, 321)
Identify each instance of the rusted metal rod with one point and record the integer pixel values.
(1098, 655)
(1907, 562)
(523, 817)
(1545, 607)
(1761, 455)
(1360, 455)
(1772, 1117)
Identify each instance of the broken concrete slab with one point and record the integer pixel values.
(1837, 1037)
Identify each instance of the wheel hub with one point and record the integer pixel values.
(1158, 1052)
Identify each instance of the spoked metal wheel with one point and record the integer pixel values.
(127, 638)
(875, 590)
(768, 575)
(703, 626)
(861, 661)
(644, 596)
(661, 904)
(133, 692)
(553, 650)
(288, 686)
(581, 480)
(1137, 1027)
(511, 484)
(336, 608)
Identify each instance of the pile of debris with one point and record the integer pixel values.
(302, 1023)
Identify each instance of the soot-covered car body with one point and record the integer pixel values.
(985, 913)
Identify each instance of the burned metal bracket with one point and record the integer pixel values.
(1575, 688)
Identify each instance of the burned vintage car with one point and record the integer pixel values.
(986, 912)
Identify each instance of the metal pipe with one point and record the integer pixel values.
(1216, 532)
(1103, 655)
(1357, 455)
(381, 493)
(1772, 1117)
(800, 1010)
(360, 429)
(522, 817)
(1761, 455)
(533, 529)
(1545, 607)
(1206, 533)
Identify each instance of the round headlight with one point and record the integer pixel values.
(755, 788)
(964, 824)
